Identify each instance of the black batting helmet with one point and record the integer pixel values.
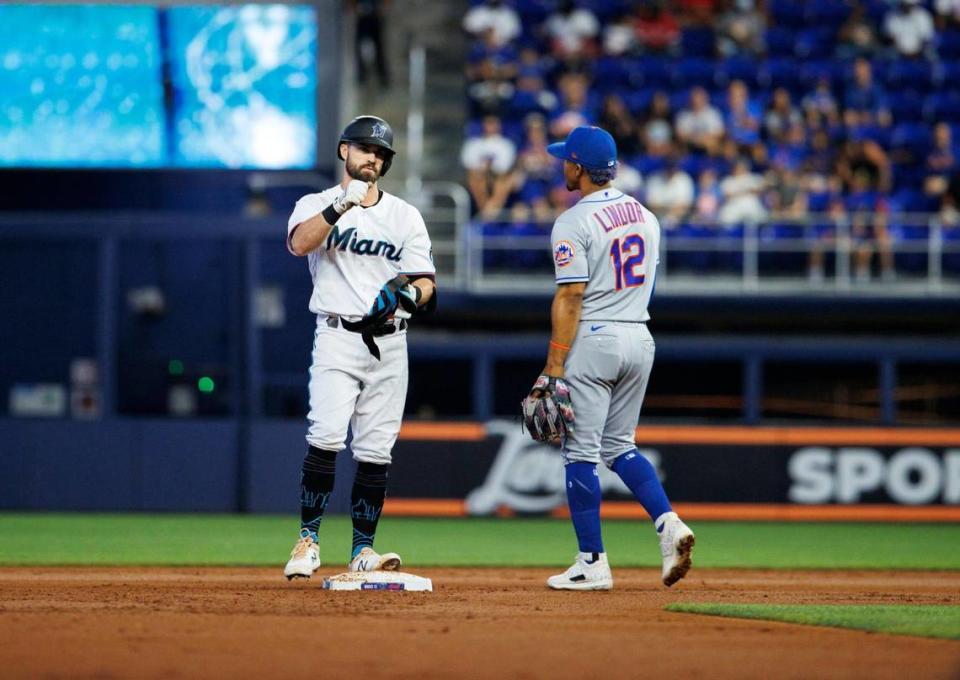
(369, 130)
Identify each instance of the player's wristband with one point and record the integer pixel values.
(330, 214)
(559, 346)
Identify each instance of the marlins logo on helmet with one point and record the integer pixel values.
(378, 130)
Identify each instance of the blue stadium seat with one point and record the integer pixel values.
(694, 71)
(780, 73)
(697, 42)
(779, 42)
(786, 12)
(812, 71)
(738, 68)
(913, 137)
(650, 71)
(911, 201)
(907, 241)
(943, 106)
(914, 73)
(906, 106)
(825, 12)
(610, 73)
(815, 43)
(948, 44)
(949, 74)
(951, 254)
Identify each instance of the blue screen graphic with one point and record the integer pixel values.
(245, 85)
(83, 86)
(80, 86)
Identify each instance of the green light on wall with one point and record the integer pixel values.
(175, 367)
(206, 384)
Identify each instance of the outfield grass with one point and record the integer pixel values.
(168, 539)
(939, 621)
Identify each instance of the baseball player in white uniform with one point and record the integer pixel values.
(605, 251)
(363, 245)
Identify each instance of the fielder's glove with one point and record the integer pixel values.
(547, 410)
(351, 196)
(398, 291)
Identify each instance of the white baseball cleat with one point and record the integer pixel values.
(369, 560)
(676, 545)
(304, 558)
(584, 575)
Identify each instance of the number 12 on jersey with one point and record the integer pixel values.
(627, 255)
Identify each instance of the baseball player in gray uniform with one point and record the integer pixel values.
(362, 244)
(605, 251)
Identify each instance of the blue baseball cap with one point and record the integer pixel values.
(589, 146)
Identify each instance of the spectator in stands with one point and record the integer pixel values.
(781, 115)
(493, 15)
(822, 101)
(706, 207)
(743, 115)
(741, 29)
(532, 60)
(948, 14)
(858, 35)
(865, 102)
(700, 12)
(700, 126)
(657, 127)
(532, 96)
(487, 92)
(657, 29)
(862, 154)
(941, 161)
(790, 153)
(572, 31)
(741, 196)
(616, 119)
(503, 58)
(909, 25)
(824, 232)
(573, 110)
(489, 161)
(821, 158)
(867, 210)
(670, 193)
(787, 197)
(619, 36)
(536, 169)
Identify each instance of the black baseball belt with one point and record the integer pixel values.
(388, 327)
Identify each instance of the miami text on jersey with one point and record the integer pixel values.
(619, 215)
(347, 240)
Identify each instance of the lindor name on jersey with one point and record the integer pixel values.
(348, 240)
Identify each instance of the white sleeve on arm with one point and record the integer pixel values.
(570, 262)
(417, 255)
(307, 207)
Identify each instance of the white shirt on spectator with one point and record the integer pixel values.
(706, 121)
(741, 199)
(948, 8)
(572, 29)
(911, 31)
(495, 151)
(666, 191)
(504, 21)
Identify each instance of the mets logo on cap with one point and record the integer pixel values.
(563, 253)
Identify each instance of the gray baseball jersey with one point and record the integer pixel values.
(612, 243)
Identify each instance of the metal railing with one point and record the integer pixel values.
(923, 256)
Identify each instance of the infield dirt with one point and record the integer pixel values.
(479, 623)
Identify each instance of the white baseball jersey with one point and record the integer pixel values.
(611, 242)
(365, 248)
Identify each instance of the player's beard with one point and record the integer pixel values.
(365, 172)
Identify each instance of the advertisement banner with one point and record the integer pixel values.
(496, 468)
